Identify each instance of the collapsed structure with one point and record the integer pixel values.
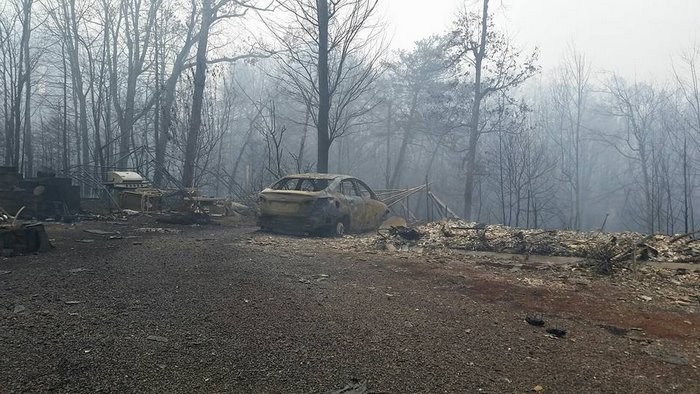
(129, 190)
(46, 196)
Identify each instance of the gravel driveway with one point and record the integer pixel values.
(218, 309)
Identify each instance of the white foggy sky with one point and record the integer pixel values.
(636, 38)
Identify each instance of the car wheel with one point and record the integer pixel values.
(339, 229)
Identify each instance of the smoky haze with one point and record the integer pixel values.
(571, 114)
(634, 38)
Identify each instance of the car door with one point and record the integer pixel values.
(373, 210)
(354, 202)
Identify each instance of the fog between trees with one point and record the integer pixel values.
(228, 95)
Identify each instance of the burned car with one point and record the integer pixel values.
(320, 203)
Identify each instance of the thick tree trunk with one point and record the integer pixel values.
(76, 71)
(167, 100)
(324, 142)
(197, 98)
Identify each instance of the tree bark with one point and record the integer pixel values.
(167, 100)
(302, 144)
(197, 98)
(475, 114)
(324, 93)
(28, 151)
(405, 142)
(64, 130)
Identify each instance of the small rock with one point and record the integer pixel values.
(157, 338)
(19, 309)
(536, 321)
(645, 298)
(538, 388)
(557, 332)
(389, 247)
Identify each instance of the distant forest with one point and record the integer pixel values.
(229, 95)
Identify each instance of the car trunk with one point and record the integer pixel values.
(287, 202)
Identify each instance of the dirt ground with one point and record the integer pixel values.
(227, 309)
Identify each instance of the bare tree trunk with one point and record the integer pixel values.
(324, 93)
(167, 98)
(475, 115)
(28, 151)
(197, 98)
(138, 39)
(389, 135)
(686, 191)
(405, 142)
(64, 132)
(6, 107)
(302, 145)
(17, 107)
(73, 42)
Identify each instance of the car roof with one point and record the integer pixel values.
(315, 175)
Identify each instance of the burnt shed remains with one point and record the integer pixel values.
(46, 196)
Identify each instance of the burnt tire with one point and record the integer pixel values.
(339, 229)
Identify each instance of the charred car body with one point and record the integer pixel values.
(319, 203)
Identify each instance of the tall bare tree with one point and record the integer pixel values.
(330, 60)
(570, 93)
(495, 66)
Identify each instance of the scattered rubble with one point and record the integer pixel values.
(625, 246)
(185, 218)
(158, 230)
